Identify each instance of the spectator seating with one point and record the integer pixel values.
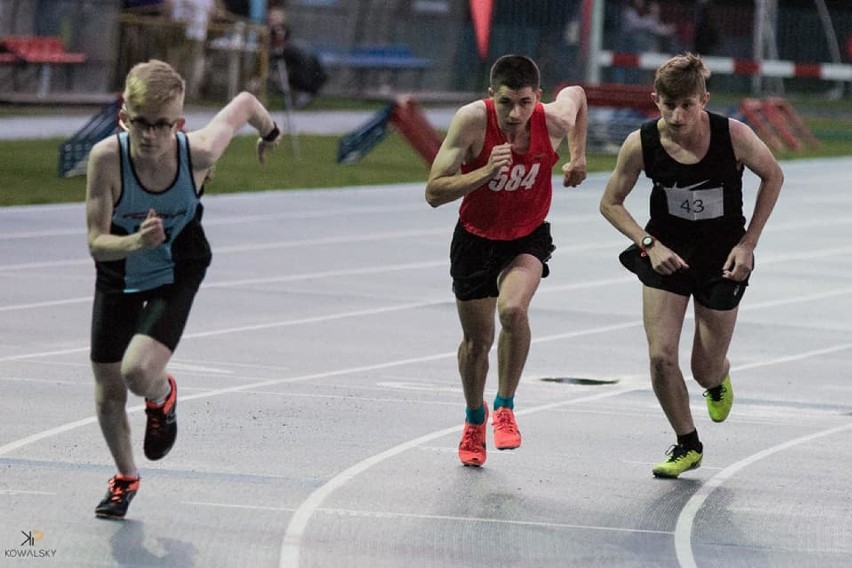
(364, 60)
(42, 51)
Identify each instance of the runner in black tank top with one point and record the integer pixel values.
(696, 243)
(697, 211)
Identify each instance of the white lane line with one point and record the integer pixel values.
(343, 239)
(686, 519)
(417, 305)
(51, 264)
(47, 304)
(291, 543)
(17, 444)
(329, 274)
(237, 220)
(75, 232)
(20, 443)
(489, 520)
(410, 266)
(453, 518)
(557, 217)
(324, 318)
(769, 259)
(254, 327)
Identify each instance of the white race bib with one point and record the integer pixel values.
(695, 205)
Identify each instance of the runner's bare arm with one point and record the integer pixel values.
(465, 135)
(621, 182)
(757, 157)
(568, 117)
(209, 142)
(753, 153)
(102, 189)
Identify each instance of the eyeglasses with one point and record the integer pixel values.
(142, 125)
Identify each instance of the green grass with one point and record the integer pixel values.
(30, 166)
(30, 169)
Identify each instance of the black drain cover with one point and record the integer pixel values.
(578, 381)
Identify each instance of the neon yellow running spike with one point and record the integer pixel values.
(680, 460)
(720, 400)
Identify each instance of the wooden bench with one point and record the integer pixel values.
(42, 51)
(364, 59)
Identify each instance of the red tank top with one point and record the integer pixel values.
(516, 201)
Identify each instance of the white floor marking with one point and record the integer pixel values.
(686, 519)
(453, 518)
(343, 239)
(291, 543)
(17, 444)
(47, 304)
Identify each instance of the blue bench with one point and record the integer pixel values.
(389, 59)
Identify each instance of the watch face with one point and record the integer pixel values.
(647, 241)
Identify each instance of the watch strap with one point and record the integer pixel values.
(273, 134)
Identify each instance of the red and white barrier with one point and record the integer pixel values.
(732, 66)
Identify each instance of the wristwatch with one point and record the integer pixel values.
(647, 242)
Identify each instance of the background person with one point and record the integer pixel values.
(187, 52)
(306, 74)
(642, 31)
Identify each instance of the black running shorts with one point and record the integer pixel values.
(476, 262)
(702, 280)
(160, 313)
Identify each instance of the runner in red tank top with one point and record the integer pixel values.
(516, 201)
(498, 157)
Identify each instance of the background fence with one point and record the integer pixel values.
(441, 32)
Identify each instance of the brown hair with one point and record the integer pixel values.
(515, 72)
(681, 76)
(153, 82)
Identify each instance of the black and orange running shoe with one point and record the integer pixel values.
(161, 429)
(121, 491)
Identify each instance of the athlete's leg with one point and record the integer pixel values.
(477, 322)
(160, 328)
(144, 367)
(663, 314)
(518, 283)
(713, 332)
(110, 406)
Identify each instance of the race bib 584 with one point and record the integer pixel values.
(516, 177)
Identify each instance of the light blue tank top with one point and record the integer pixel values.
(176, 206)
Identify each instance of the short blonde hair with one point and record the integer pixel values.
(682, 76)
(153, 82)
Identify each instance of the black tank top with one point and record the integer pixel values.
(689, 201)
